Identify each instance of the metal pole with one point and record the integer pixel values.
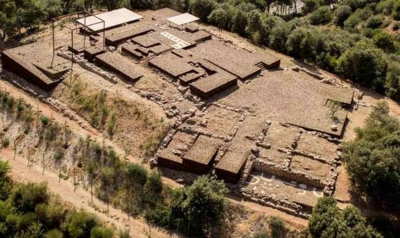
(54, 50)
(84, 35)
(104, 35)
(72, 48)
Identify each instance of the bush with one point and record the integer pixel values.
(396, 11)
(392, 84)
(310, 6)
(327, 220)
(58, 155)
(372, 158)
(341, 14)
(277, 227)
(321, 16)
(364, 64)
(219, 18)
(202, 8)
(101, 232)
(384, 40)
(358, 16)
(194, 209)
(5, 143)
(44, 120)
(79, 224)
(374, 21)
(396, 26)
(240, 23)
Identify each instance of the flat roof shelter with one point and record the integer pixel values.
(182, 19)
(111, 19)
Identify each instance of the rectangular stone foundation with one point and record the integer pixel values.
(27, 71)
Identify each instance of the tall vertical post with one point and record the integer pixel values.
(84, 35)
(72, 48)
(54, 47)
(104, 35)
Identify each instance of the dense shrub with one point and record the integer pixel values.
(358, 16)
(310, 6)
(327, 220)
(202, 8)
(385, 7)
(322, 15)
(396, 11)
(374, 21)
(341, 14)
(194, 209)
(384, 41)
(26, 210)
(372, 159)
(392, 84)
(364, 64)
(219, 17)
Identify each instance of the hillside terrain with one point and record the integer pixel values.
(137, 124)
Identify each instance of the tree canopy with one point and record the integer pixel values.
(328, 221)
(26, 210)
(373, 158)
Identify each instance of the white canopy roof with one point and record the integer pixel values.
(183, 19)
(111, 19)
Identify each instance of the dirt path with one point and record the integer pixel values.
(80, 198)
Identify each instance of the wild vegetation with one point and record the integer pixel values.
(115, 116)
(328, 220)
(191, 210)
(373, 158)
(28, 210)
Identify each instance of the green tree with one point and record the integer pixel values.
(204, 204)
(25, 197)
(219, 18)
(154, 183)
(322, 15)
(341, 14)
(202, 8)
(107, 178)
(392, 83)
(79, 224)
(374, 21)
(50, 215)
(396, 11)
(310, 6)
(364, 64)
(5, 181)
(278, 37)
(328, 221)
(385, 41)
(135, 179)
(240, 23)
(277, 227)
(372, 159)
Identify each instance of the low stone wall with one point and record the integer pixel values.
(283, 205)
(79, 59)
(285, 173)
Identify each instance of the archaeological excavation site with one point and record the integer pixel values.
(270, 128)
